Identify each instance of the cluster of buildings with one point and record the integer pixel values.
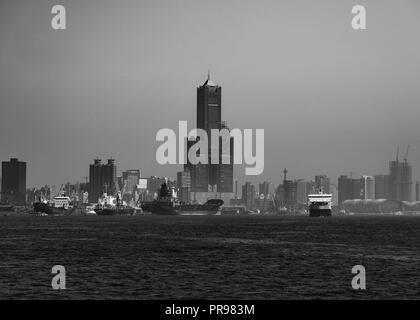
(198, 182)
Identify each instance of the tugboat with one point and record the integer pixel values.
(111, 206)
(168, 204)
(319, 204)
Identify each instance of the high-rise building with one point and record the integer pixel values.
(184, 186)
(211, 177)
(400, 180)
(417, 191)
(322, 182)
(303, 188)
(102, 179)
(381, 186)
(130, 180)
(368, 187)
(248, 195)
(349, 188)
(13, 182)
(264, 188)
(286, 194)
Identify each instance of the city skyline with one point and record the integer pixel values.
(76, 95)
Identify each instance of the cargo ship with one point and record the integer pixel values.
(319, 204)
(59, 206)
(168, 204)
(112, 206)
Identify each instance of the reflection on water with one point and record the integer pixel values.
(205, 257)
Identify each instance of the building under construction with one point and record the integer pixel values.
(400, 179)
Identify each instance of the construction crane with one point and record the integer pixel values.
(406, 153)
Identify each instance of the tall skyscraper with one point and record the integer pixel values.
(13, 181)
(211, 177)
(102, 178)
(417, 191)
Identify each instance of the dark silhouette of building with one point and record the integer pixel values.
(211, 177)
(382, 186)
(417, 191)
(13, 182)
(102, 179)
(349, 189)
(248, 195)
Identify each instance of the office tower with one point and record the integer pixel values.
(368, 187)
(322, 182)
(417, 191)
(248, 195)
(184, 186)
(13, 182)
(381, 186)
(102, 179)
(211, 177)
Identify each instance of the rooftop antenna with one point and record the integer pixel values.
(285, 173)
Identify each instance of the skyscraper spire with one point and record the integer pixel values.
(208, 81)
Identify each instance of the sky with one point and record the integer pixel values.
(331, 100)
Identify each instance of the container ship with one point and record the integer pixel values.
(319, 204)
(168, 204)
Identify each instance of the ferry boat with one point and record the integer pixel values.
(320, 204)
(168, 204)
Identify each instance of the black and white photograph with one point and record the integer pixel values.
(206, 156)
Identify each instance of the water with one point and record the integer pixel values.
(205, 257)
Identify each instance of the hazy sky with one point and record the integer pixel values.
(331, 100)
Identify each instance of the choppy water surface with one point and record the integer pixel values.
(205, 257)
